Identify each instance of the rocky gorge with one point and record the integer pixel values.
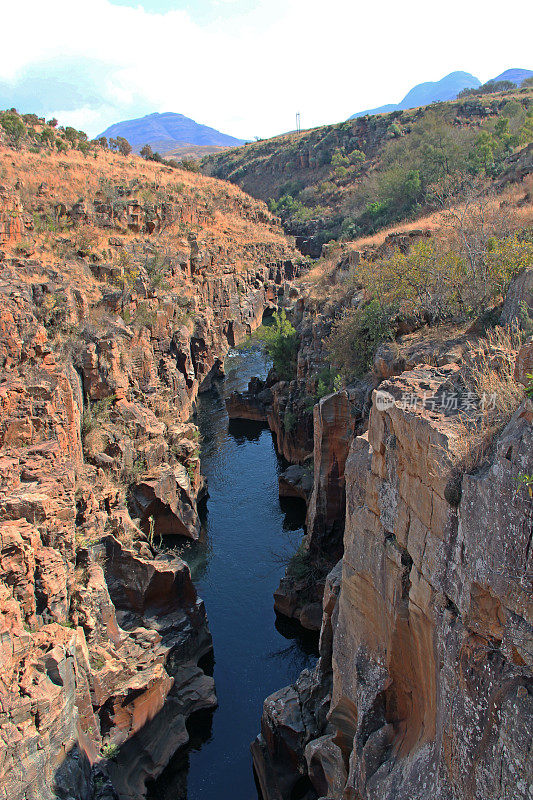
(118, 311)
(102, 631)
(423, 687)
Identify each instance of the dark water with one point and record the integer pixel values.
(236, 570)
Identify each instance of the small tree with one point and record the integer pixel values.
(123, 146)
(13, 126)
(48, 137)
(71, 135)
(281, 344)
(147, 152)
(355, 338)
(190, 165)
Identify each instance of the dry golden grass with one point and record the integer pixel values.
(490, 371)
(217, 210)
(489, 374)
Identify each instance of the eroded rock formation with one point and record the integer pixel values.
(424, 684)
(103, 353)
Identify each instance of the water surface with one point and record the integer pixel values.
(248, 532)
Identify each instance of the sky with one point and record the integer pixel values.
(244, 67)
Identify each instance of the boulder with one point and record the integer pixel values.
(296, 481)
(166, 497)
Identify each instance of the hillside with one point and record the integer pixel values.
(429, 92)
(123, 284)
(164, 132)
(193, 151)
(354, 178)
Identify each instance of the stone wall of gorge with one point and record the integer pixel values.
(424, 684)
(101, 635)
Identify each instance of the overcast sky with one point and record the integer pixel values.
(244, 66)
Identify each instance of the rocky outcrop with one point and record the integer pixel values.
(431, 671)
(103, 355)
(296, 715)
(286, 410)
(296, 481)
(11, 217)
(299, 594)
(334, 422)
(519, 300)
(166, 502)
(524, 363)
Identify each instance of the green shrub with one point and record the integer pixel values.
(289, 421)
(356, 336)
(190, 164)
(281, 344)
(48, 137)
(13, 126)
(299, 565)
(303, 566)
(492, 148)
(96, 412)
(328, 382)
(433, 284)
(527, 482)
(339, 159)
(110, 750)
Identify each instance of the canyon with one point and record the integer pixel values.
(127, 292)
(102, 630)
(418, 579)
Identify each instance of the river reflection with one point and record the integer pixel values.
(236, 567)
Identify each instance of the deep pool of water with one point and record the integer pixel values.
(237, 566)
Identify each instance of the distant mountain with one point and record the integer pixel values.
(379, 110)
(165, 132)
(514, 75)
(446, 89)
(430, 92)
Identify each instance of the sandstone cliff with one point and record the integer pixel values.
(423, 688)
(117, 308)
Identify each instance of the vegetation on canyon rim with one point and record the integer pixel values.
(354, 178)
(431, 284)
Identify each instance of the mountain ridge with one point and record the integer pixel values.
(168, 130)
(446, 88)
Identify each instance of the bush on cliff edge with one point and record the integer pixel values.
(281, 344)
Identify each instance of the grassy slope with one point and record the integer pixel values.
(300, 164)
(219, 212)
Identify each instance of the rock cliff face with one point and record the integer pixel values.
(423, 688)
(106, 338)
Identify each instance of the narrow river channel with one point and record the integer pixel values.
(236, 568)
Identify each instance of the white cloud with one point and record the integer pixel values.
(249, 73)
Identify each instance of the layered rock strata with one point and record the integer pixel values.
(103, 358)
(424, 684)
